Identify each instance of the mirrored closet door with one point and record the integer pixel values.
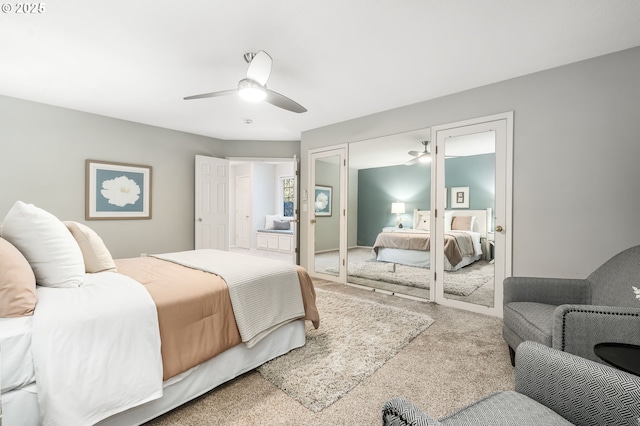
(470, 172)
(327, 211)
(389, 179)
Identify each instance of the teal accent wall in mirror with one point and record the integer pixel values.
(381, 186)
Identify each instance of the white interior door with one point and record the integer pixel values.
(243, 212)
(211, 203)
(497, 241)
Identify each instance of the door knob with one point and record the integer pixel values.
(499, 228)
(312, 221)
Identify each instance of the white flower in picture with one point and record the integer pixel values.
(321, 201)
(120, 191)
(636, 291)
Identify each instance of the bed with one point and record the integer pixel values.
(141, 336)
(465, 236)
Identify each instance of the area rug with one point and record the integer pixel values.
(462, 282)
(355, 338)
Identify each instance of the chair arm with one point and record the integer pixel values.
(580, 390)
(402, 412)
(551, 291)
(578, 328)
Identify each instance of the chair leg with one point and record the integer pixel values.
(512, 355)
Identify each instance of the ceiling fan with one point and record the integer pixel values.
(420, 156)
(254, 86)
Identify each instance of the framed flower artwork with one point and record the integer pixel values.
(322, 200)
(117, 191)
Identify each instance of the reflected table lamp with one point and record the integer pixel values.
(398, 209)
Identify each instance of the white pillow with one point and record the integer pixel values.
(268, 223)
(48, 246)
(97, 257)
(424, 222)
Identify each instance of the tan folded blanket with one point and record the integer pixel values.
(194, 310)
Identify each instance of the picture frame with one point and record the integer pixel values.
(117, 190)
(322, 201)
(460, 197)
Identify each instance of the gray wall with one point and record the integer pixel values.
(42, 161)
(576, 150)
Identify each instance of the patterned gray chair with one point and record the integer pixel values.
(552, 388)
(573, 315)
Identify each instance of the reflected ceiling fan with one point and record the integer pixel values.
(254, 86)
(420, 156)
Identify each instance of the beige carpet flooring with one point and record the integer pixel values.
(327, 261)
(356, 338)
(457, 360)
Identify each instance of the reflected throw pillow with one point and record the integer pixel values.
(448, 216)
(97, 257)
(461, 223)
(17, 283)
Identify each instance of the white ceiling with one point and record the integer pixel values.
(136, 60)
(393, 150)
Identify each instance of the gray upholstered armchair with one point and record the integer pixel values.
(573, 315)
(552, 388)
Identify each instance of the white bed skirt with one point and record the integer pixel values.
(20, 406)
(420, 258)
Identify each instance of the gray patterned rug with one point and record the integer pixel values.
(355, 338)
(462, 282)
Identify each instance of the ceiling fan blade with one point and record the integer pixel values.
(412, 162)
(281, 101)
(416, 153)
(212, 94)
(260, 68)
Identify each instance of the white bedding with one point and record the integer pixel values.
(279, 288)
(15, 342)
(90, 362)
(20, 406)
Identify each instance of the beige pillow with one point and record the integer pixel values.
(461, 223)
(97, 257)
(17, 283)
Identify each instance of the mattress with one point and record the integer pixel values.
(15, 343)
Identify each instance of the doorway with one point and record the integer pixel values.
(263, 201)
(238, 198)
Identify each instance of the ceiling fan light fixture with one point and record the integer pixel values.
(425, 159)
(250, 90)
